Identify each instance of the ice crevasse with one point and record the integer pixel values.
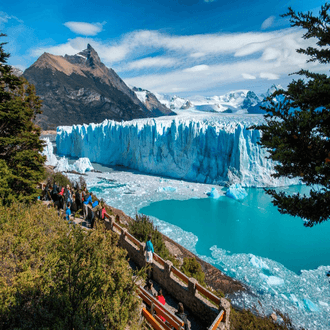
(215, 150)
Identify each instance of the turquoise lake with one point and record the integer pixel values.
(253, 226)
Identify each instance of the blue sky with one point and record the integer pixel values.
(182, 47)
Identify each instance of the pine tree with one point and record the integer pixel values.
(20, 143)
(297, 129)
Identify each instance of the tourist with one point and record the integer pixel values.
(68, 212)
(149, 255)
(74, 208)
(161, 299)
(55, 192)
(148, 287)
(78, 199)
(87, 200)
(181, 314)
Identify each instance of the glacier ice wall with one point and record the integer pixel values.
(215, 150)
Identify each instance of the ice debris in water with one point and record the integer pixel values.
(82, 165)
(49, 152)
(167, 189)
(257, 262)
(235, 191)
(214, 193)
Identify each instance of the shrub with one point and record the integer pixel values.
(142, 227)
(57, 276)
(192, 268)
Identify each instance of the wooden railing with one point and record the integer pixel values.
(178, 276)
(159, 259)
(160, 309)
(151, 320)
(208, 294)
(217, 321)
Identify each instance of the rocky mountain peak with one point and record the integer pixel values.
(92, 58)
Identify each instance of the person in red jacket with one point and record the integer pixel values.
(161, 299)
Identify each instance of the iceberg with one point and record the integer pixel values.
(236, 191)
(49, 152)
(214, 193)
(82, 165)
(214, 149)
(62, 165)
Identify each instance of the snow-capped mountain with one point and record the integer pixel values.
(240, 102)
(151, 102)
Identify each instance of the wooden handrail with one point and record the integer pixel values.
(208, 294)
(180, 275)
(217, 321)
(164, 325)
(160, 309)
(159, 259)
(156, 325)
(133, 239)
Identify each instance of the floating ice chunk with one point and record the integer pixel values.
(83, 165)
(49, 153)
(311, 306)
(167, 189)
(272, 280)
(322, 303)
(256, 262)
(236, 191)
(297, 302)
(213, 193)
(62, 165)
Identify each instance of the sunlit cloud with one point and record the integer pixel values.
(198, 68)
(148, 62)
(86, 29)
(267, 23)
(269, 76)
(196, 62)
(248, 76)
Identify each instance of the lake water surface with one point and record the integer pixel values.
(252, 226)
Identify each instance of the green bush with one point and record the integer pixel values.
(246, 320)
(58, 276)
(192, 268)
(60, 179)
(142, 227)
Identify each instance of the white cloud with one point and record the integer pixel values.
(198, 62)
(4, 18)
(86, 29)
(267, 23)
(269, 76)
(248, 76)
(197, 68)
(149, 62)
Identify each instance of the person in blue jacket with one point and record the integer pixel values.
(85, 205)
(149, 255)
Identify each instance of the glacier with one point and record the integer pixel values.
(207, 148)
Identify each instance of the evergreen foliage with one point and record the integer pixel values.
(297, 129)
(57, 276)
(20, 146)
(192, 268)
(142, 227)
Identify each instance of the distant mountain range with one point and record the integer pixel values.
(80, 89)
(239, 102)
